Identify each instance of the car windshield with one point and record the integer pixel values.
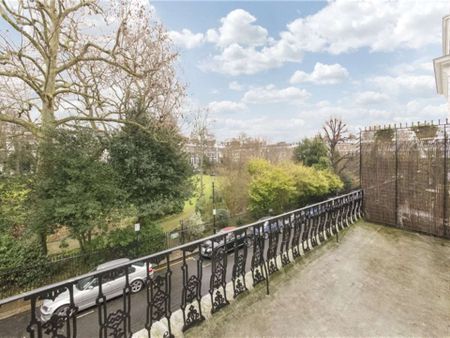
(84, 283)
(207, 243)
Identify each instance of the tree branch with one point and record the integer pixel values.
(20, 122)
(101, 119)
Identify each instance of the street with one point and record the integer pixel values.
(87, 320)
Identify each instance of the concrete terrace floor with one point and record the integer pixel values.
(377, 281)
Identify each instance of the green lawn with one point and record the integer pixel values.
(167, 223)
(173, 221)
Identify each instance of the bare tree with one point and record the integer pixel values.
(335, 132)
(72, 61)
(201, 138)
(239, 150)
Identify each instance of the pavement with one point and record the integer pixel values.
(377, 281)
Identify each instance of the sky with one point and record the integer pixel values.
(278, 70)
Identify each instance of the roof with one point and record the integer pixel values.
(112, 263)
(228, 229)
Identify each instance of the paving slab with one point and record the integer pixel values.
(377, 281)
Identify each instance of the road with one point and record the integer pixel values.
(87, 322)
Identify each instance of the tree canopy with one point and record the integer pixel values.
(75, 186)
(312, 152)
(68, 62)
(276, 188)
(152, 169)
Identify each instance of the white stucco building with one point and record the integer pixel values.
(442, 64)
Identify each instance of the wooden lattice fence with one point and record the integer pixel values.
(404, 175)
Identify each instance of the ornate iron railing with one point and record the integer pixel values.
(260, 249)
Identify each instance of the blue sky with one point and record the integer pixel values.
(278, 69)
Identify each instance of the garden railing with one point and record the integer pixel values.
(258, 249)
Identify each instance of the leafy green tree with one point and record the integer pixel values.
(152, 167)
(222, 218)
(271, 189)
(13, 194)
(21, 161)
(335, 182)
(126, 241)
(312, 152)
(14, 254)
(74, 187)
(312, 184)
(234, 187)
(288, 185)
(309, 183)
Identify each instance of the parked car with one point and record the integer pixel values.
(269, 226)
(85, 291)
(206, 249)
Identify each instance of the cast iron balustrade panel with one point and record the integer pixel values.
(272, 250)
(192, 287)
(297, 229)
(282, 238)
(306, 231)
(158, 295)
(285, 236)
(240, 260)
(258, 264)
(217, 280)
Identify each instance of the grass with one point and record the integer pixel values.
(53, 247)
(168, 223)
(173, 221)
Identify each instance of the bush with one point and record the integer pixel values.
(13, 194)
(127, 243)
(288, 185)
(73, 186)
(222, 218)
(335, 183)
(312, 152)
(271, 189)
(17, 254)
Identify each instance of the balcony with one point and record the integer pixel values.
(307, 272)
(377, 281)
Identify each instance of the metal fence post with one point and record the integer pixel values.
(396, 176)
(445, 213)
(182, 238)
(360, 158)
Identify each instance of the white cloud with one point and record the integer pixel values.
(340, 27)
(186, 39)
(344, 26)
(245, 48)
(226, 106)
(370, 98)
(421, 66)
(234, 85)
(425, 109)
(322, 74)
(238, 28)
(267, 127)
(236, 59)
(271, 94)
(410, 83)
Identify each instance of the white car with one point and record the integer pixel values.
(85, 291)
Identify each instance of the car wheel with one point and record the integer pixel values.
(136, 286)
(62, 311)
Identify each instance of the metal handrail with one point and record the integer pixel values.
(276, 240)
(37, 291)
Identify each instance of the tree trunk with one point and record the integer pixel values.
(82, 242)
(43, 242)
